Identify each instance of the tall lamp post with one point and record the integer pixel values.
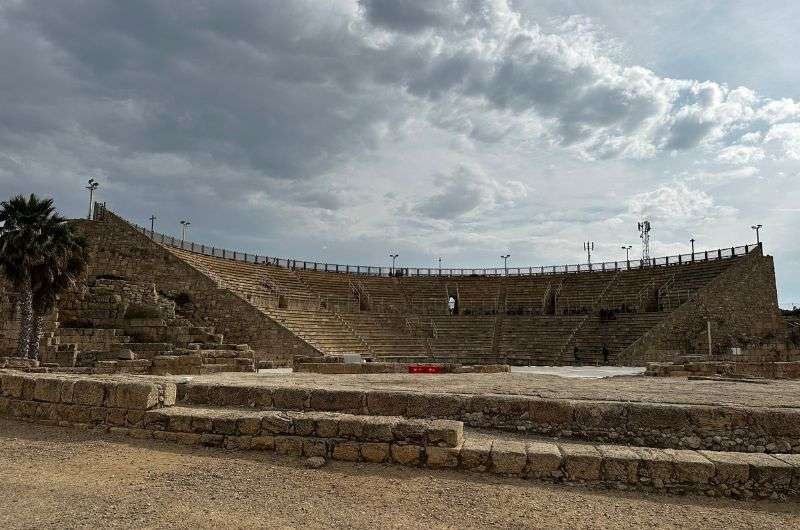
(757, 228)
(692, 242)
(627, 249)
(505, 262)
(93, 185)
(153, 224)
(184, 226)
(440, 265)
(394, 260)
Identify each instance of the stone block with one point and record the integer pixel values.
(327, 426)
(431, 405)
(407, 455)
(352, 427)
(186, 438)
(554, 412)
(202, 425)
(766, 469)
(289, 445)
(778, 422)
(449, 433)
(658, 416)
(413, 431)
(730, 467)
(88, 392)
(509, 457)
(212, 440)
(276, 423)
(249, 425)
(316, 447)
(139, 396)
(713, 419)
(620, 464)
(67, 389)
(544, 459)
(169, 394)
(346, 450)
(231, 396)
(690, 467)
(225, 424)
(262, 443)
(375, 451)
(12, 386)
(794, 461)
(379, 429)
(47, 390)
(656, 463)
(351, 401)
(581, 462)
(304, 425)
(598, 415)
(183, 423)
(153, 419)
(198, 393)
(441, 457)
(290, 398)
(476, 454)
(381, 403)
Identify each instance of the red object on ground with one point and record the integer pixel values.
(424, 369)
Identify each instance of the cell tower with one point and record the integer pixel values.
(644, 234)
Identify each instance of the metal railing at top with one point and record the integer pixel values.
(366, 270)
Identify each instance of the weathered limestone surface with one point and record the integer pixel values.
(119, 250)
(674, 426)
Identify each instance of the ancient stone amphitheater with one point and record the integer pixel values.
(612, 313)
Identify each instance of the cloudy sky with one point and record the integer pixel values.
(341, 130)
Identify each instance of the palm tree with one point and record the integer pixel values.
(65, 260)
(37, 245)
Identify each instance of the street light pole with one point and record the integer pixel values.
(394, 259)
(184, 226)
(153, 224)
(757, 228)
(505, 262)
(692, 242)
(627, 250)
(93, 185)
(440, 265)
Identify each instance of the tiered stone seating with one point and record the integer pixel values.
(525, 295)
(536, 340)
(478, 295)
(264, 285)
(337, 291)
(462, 336)
(322, 329)
(427, 296)
(387, 334)
(579, 292)
(506, 317)
(385, 294)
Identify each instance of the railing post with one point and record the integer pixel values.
(719, 253)
(733, 252)
(706, 258)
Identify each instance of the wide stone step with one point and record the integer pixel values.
(226, 421)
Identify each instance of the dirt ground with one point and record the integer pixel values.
(60, 478)
(775, 393)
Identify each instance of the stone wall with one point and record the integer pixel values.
(145, 409)
(742, 305)
(720, 428)
(120, 250)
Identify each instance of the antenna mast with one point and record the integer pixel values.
(644, 234)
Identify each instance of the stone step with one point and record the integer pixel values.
(226, 421)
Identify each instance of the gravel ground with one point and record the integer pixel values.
(60, 478)
(777, 393)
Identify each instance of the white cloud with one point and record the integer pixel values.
(676, 203)
(786, 138)
(740, 154)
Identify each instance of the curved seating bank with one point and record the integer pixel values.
(618, 316)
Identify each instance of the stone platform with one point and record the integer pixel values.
(734, 450)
